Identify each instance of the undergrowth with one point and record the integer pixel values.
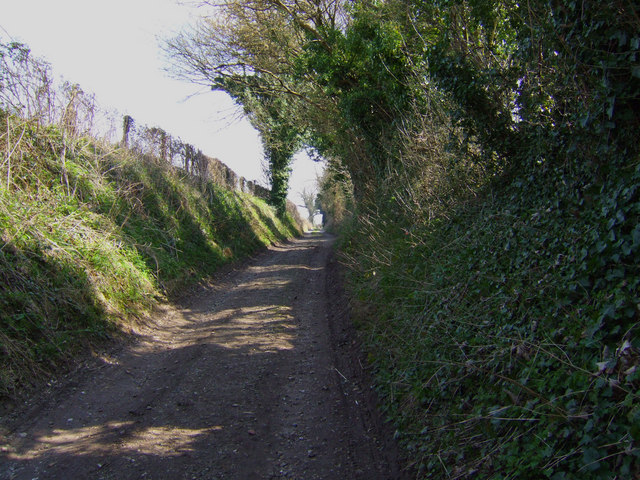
(94, 236)
(505, 337)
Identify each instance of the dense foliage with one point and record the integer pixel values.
(488, 149)
(244, 50)
(504, 328)
(505, 338)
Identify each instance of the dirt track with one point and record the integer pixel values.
(255, 376)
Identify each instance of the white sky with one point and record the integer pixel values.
(111, 48)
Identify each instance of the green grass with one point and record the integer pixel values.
(505, 337)
(89, 247)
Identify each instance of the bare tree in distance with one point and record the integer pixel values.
(309, 200)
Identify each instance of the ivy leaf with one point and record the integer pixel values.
(611, 101)
(590, 458)
(635, 235)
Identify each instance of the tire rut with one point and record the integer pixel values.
(239, 380)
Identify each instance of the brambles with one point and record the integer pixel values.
(499, 337)
(495, 262)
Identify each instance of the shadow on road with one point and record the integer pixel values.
(236, 382)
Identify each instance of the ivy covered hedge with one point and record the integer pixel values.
(505, 340)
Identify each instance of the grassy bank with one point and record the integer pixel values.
(504, 337)
(94, 236)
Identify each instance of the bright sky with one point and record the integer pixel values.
(111, 48)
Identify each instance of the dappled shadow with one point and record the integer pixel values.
(195, 398)
(39, 328)
(164, 226)
(166, 427)
(178, 225)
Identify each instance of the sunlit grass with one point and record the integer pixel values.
(89, 246)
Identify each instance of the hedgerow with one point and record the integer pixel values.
(505, 339)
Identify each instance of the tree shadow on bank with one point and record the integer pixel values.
(144, 228)
(49, 312)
